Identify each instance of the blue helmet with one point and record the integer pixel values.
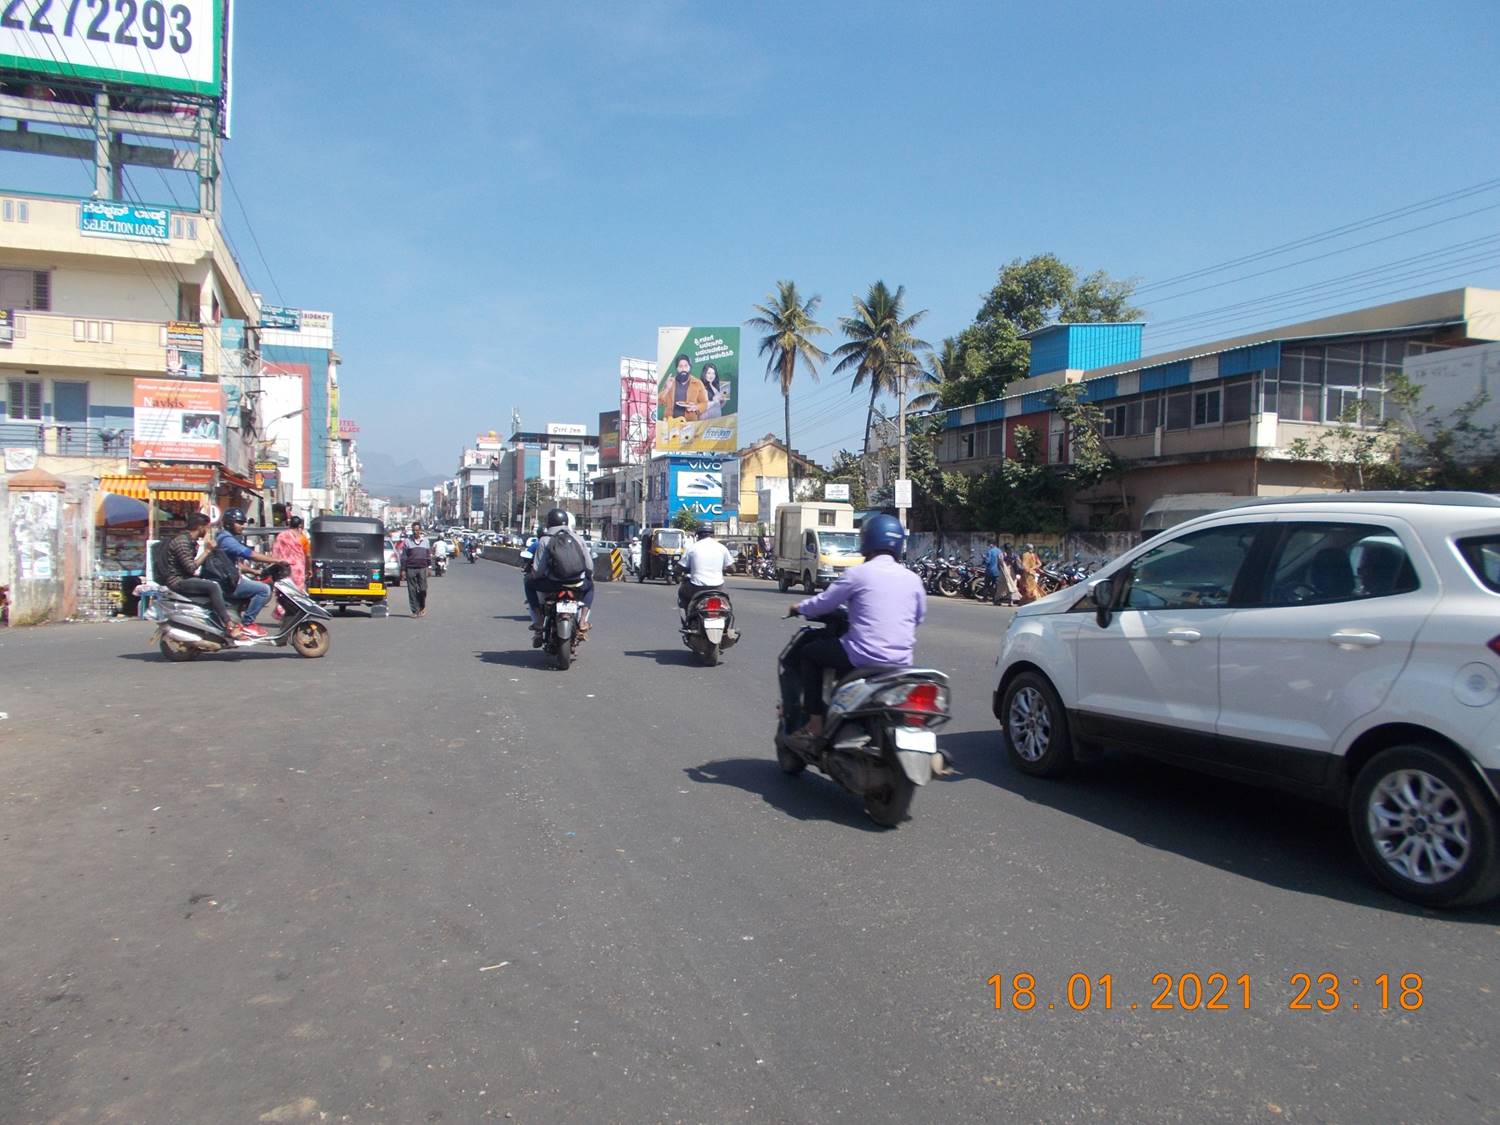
(881, 533)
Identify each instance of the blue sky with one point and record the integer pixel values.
(497, 201)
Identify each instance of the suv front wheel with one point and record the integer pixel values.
(1034, 724)
(1425, 828)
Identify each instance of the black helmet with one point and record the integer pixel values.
(705, 531)
(881, 534)
(556, 517)
(232, 515)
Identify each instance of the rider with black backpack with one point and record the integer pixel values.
(561, 560)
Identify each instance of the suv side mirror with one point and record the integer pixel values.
(1102, 591)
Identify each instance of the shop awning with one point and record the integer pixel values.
(137, 488)
(245, 484)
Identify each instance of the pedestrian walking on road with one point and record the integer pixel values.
(416, 560)
(1031, 569)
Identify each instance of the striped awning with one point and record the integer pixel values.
(137, 489)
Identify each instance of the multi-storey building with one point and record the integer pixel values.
(1218, 418)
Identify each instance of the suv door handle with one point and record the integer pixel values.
(1182, 636)
(1355, 638)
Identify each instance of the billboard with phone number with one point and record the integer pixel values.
(175, 45)
(697, 387)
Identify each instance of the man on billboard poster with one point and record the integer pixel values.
(683, 395)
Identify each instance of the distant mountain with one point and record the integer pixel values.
(399, 481)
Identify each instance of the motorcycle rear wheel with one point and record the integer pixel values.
(891, 805)
(177, 652)
(563, 656)
(947, 585)
(790, 764)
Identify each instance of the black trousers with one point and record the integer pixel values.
(416, 588)
(813, 658)
(205, 586)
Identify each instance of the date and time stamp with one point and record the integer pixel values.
(1208, 992)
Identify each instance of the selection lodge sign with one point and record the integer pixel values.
(697, 390)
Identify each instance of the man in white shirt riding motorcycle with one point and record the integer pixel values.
(703, 565)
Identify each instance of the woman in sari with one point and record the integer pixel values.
(291, 547)
(1031, 568)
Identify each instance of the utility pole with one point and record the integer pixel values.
(901, 432)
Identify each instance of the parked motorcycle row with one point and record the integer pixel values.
(953, 578)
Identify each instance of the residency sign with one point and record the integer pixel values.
(697, 387)
(175, 45)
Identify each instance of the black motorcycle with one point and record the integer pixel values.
(878, 737)
(708, 624)
(187, 628)
(561, 614)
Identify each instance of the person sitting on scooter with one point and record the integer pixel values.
(546, 575)
(255, 594)
(178, 563)
(886, 604)
(703, 565)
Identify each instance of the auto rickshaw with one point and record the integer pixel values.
(348, 562)
(660, 548)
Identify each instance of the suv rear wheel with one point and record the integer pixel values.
(1034, 724)
(1425, 828)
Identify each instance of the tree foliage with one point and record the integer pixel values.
(880, 344)
(1028, 294)
(789, 326)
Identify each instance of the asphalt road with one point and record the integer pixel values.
(427, 879)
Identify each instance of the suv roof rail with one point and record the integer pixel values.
(1436, 499)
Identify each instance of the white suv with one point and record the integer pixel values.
(1345, 647)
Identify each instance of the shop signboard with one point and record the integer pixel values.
(696, 485)
(697, 384)
(7, 327)
(836, 492)
(348, 428)
(133, 223)
(180, 47)
(267, 476)
(637, 409)
(178, 420)
(566, 429)
(280, 317)
(184, 350)
(180, 478)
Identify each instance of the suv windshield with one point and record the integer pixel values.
(839, 542)
(1483, 557)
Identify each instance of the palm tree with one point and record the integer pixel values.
(788, 323)
(881, 343)
(926, 388)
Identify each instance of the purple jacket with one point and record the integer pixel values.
(886, 604)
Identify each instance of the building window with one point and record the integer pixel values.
(1116, 418)
(1206, 407)
(968, 444)
(1237, 400)
(26, 290)
(1179, 410)
(23, 400)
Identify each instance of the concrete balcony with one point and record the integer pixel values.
(52, 439)
(56, 342)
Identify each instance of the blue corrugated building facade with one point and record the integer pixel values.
(1217, 418)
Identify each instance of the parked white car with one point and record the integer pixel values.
(1345, 647)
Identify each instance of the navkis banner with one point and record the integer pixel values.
(697, 390)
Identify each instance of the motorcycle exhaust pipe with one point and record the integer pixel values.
(193, 639)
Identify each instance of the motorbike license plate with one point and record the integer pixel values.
(567, 608)
(922, 741)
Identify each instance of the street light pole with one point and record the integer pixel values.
(901, 433)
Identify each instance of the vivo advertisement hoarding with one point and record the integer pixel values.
(181, 46)
(696, 485)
